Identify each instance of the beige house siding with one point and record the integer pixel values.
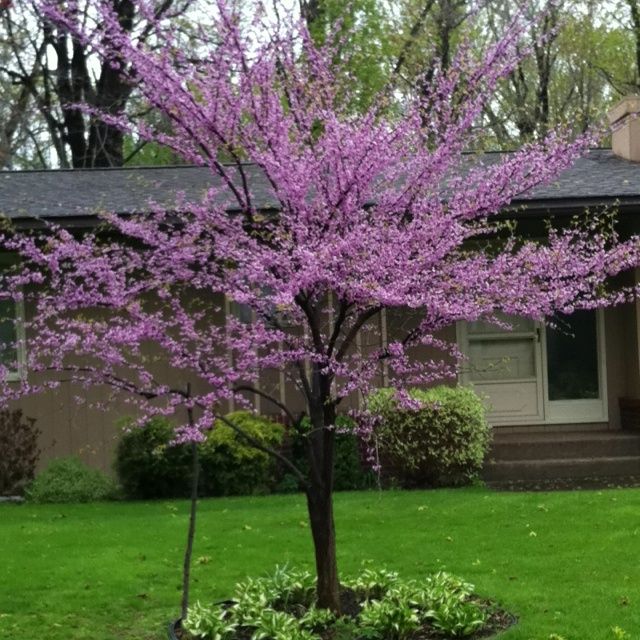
(622, 359)
(69, 428)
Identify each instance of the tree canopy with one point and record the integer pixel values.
(373, 210)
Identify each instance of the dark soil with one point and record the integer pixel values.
(567, 484)
(349, 603)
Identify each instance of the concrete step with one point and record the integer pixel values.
(557, 468)
(564, 446)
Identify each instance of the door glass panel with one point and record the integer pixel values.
(572, 357)
(510, 359)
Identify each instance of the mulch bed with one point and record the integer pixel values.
(498, 621)
(568, 484)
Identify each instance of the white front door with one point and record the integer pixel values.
(532, 374)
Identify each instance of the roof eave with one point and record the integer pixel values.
(541, 207)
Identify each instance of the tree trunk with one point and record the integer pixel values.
(106, 146)
(320, 492)
(320, 505)
(310, 11)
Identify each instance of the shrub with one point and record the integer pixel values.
(442, 443)
(148, 466)
(351, 472)
(20, 452)
(69, 480)
(232, 466)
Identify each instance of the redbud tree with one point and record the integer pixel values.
(373, 211)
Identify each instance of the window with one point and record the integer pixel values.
(242, 312)
(12, 338)
(12, 341)
(496, 353)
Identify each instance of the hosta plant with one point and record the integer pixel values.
(457, 618)
(389, 619)
(278, 625)
(372, 583)
(212, 623)
(377, 605)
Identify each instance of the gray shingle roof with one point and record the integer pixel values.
(599, 177)
(85, 192)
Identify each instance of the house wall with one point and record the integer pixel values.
(69, 428)
(623, 373)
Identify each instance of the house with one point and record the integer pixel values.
(564, 402)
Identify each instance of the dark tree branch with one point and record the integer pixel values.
(269, 397)
(410, 42)
(337, 326)
(353, 332)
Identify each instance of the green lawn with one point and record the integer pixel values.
(565, 563)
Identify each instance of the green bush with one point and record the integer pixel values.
(70, 480)
(232, 466)
(441, 444)
(350, 473)
(148, 466)
(20, 452)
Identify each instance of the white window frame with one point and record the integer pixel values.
(8, 259)
(20, 373)
(534, 417)
(21, 344)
